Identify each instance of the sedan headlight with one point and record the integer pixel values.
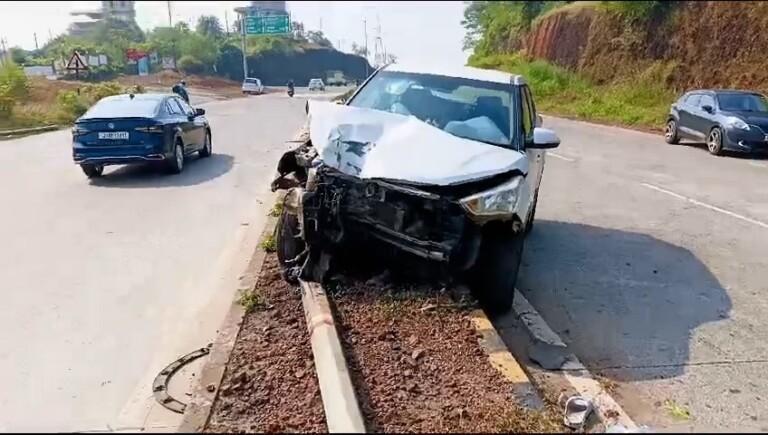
(499, 201)
(737, 123)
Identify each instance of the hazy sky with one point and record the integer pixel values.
(419, 32)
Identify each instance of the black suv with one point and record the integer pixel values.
(725, 119)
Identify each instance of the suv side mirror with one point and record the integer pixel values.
(544, 138)
(199, 112)
(707, 108)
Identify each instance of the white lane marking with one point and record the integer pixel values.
(708, 206)
(558, 156)
(607, 409)
(758, 164)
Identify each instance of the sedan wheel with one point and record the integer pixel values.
(176, 163)
(670, 132)
(92, 171)
(715, 141)
(207, 148)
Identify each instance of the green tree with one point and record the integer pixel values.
(317, 37)
(18, 55)
(209, 26)
(359, 50)
(203, 49)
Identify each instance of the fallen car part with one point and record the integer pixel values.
(160, 384)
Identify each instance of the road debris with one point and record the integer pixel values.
(576, 410)
(548, 356)
(160, 384)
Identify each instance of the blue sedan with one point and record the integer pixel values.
(130, 128)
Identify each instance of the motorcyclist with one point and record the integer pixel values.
(290, 88)
(180, 89)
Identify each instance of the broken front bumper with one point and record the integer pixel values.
(336, 207)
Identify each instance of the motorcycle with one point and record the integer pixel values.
(290, 92)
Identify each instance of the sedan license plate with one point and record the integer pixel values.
(113, 135)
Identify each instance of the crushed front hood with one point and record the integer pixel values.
(368, 143)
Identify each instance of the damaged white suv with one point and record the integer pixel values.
(440, 164)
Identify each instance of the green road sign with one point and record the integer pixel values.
(267, 24)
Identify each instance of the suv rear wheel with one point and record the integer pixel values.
(495, 272)
(670, 132)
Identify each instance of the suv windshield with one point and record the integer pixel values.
(252, 81)
(471, 109)
(742, 102)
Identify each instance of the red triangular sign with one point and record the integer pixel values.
(76, 62)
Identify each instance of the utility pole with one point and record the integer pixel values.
(170, 21)
(4, 41)
(242, 30)
(37, 47)
(226, 21)
(365, 35)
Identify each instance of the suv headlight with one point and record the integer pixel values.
(499, 201)
(737, 123)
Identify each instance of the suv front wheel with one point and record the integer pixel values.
(495, 272)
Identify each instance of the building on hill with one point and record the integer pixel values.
(119, 10)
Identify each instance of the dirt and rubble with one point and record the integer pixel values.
(270, 383)
(413, 353)
(416, 361)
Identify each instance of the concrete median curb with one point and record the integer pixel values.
(504, 362)
(342, 412)
(607, 410)
(198, 410)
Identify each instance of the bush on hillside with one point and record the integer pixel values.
(70, 105)
(14, 86)
(190, 65)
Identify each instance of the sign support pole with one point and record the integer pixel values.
(245, 60)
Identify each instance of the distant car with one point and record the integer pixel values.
(129, 128)
(724, 119)
(252, 86)
(316, 85)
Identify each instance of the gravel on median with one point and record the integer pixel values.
(417, 365)
(270, 383)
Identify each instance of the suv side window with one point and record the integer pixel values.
(693, 100)
(707, 100)
(528, 112)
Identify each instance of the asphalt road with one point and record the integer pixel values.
(650, 261)
(105, 282)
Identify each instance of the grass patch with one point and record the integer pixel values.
(269, 244)
(276, 210)
(252, 300)
(677, 411)
(640, 101)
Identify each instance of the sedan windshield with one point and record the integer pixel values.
(742, 103)
(471, 109)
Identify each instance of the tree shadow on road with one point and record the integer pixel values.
(196, 171)
(620, 300)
